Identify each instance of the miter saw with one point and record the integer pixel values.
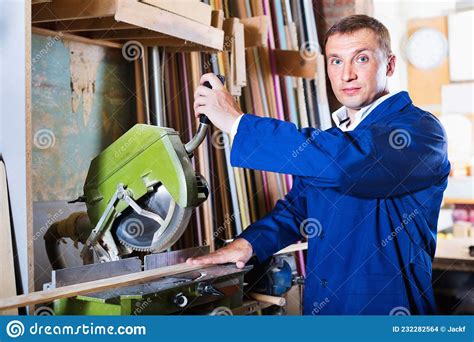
(140, 193)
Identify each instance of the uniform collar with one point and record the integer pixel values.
(341, 117)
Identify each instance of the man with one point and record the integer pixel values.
(366, 193)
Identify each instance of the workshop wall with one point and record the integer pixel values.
(82, 101)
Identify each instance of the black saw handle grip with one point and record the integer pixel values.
(203, 117)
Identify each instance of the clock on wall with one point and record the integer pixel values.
(426, 48)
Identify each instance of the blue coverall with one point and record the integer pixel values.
(368, 201)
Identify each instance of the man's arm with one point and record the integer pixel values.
(366, 162)
(278, 229)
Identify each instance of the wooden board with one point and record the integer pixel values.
(255, 30)
(152, 18)
(239, 56)
(95, 286)
(191, 9)
(72, 9)
(92, 24)
(28, 151)
(75, 38)
(130, 19)
(7, 268)
(229, 31)
(292, 63)
(293, 248)
(322, 95)
(217, 19)
(129, 34)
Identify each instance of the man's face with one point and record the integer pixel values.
(357, 68)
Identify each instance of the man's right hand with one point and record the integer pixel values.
(239, 251)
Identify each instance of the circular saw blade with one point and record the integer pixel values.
(144, 234)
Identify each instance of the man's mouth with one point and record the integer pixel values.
(351, 90)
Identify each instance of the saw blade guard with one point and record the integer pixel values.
(147, 234)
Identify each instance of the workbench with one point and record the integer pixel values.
(453, 255)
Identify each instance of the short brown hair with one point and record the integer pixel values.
(357, 22)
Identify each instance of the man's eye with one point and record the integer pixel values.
(362, 59)
(336, 62)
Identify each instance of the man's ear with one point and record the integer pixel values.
(391, 65)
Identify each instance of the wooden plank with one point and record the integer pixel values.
(191, 9)
(73, 9)
(234, 41)
(28, 154)
(167, 41)
(293, 248)
(322, 94)
(36, 2)
(292, 63)
(239, 56)
(153, 18)
(273, 300)
(94, 24)
(139, 91)
(217, 19)
(95, 286)
(135, 34)
(203, 165)
(228, 27)
(72, 37)
(469, 201)
(7, 268)
(187, 48)
(256, 31)
(173, 44)
(272, 182)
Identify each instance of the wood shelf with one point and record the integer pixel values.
(458, 201)
(256, 31)
(296, 63)
(150, 22)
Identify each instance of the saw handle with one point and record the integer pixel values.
(204, 123)
(203, 117)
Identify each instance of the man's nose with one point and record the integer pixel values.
(348, 73)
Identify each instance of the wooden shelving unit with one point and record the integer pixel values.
(151, 22)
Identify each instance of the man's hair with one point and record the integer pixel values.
(358, 22)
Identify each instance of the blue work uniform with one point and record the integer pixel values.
(367, 200)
